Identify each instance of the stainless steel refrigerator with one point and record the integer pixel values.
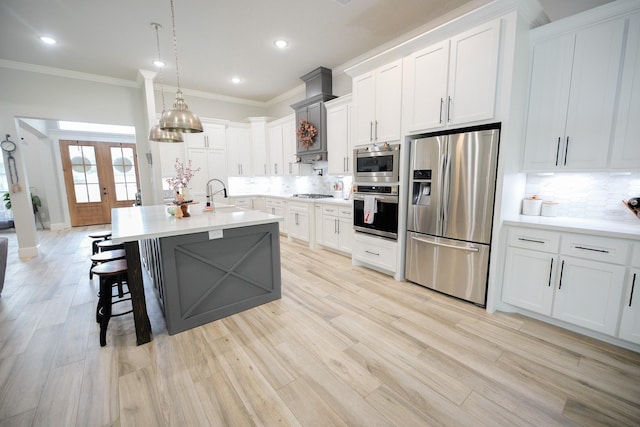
(450, 212)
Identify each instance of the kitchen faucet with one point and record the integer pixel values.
(210, 194)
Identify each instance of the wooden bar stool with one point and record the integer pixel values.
(99, 236)
(105, 256)
(111, 273)
(108, 245)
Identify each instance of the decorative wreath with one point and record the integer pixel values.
(306, 132)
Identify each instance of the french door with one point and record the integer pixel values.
(98, 176)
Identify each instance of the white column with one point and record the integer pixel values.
(153, 195)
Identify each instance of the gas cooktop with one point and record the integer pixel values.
(311, 196)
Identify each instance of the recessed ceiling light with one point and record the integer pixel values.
(281, 43)
(158, 63)
(48, 40)
(235, 80)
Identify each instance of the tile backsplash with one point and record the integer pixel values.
(587, 195)
(287, 185)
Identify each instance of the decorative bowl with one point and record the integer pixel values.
(171, 210)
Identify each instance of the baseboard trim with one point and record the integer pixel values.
(27, 253)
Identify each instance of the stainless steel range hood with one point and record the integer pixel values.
(312, 109)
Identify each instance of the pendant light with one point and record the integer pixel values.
(157, 134)
(180, 119)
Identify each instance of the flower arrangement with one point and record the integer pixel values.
(180, 182)
(306, 132)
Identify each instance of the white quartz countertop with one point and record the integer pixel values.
(145, 222)
(619, 229)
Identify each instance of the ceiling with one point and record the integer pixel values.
(220, 39)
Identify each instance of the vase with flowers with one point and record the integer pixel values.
(180, 184)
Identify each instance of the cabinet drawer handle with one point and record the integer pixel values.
(371, 131)
(561, 271)
(604, 251)
(376, 134)
(558, 151)
(522, 239)
(372, 253)
(633, 285)
(441, 105)
(550, 270)
(566, 151)
(449, 110)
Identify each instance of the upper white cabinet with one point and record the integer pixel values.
(239, 150)
(212, 164)
(454, 81)
(377, 104)
(339, 143)
(281, 140)
(291, 167)
(214, 136)
(260, 163)
(572, 95)
(276, 154)
(626, 146)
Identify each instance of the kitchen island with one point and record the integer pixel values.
(203, 267)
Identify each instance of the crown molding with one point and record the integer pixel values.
(59, 72)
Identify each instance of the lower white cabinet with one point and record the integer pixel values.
(278, 207)
(528, 279)
(571, 277)
(375, 252)
(242, 202)
(630, 320)
(298, 221)
(588, 294)
(337, 227)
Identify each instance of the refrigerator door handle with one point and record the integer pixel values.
(431, 242)
(445, 186)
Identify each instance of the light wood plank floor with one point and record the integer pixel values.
(344, 346)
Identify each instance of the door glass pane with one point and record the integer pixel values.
(94, 192)
(85, 173)
(124, 173)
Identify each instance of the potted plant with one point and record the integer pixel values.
(36, 203)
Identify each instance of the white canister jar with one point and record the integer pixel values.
(531, 206)
(549, 209)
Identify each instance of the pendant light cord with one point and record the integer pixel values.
(175, 42)
(157, 27)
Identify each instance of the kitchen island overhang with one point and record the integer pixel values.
(207, 266)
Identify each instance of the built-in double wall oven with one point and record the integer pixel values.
(375, 190)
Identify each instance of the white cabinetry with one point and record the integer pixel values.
(337, 227)
(242, 202)
(529, 272)
(277, 207)
(213, 136)
(572, 96)
(298, 220)
(207, 151)
(260, 163)
(239, 150)
(374, 252)
(626, 148)
(377, 104)
(454, 81)
(575, 278)
(339, 144)
(281, 138)
(630, 322)
(212, 164)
